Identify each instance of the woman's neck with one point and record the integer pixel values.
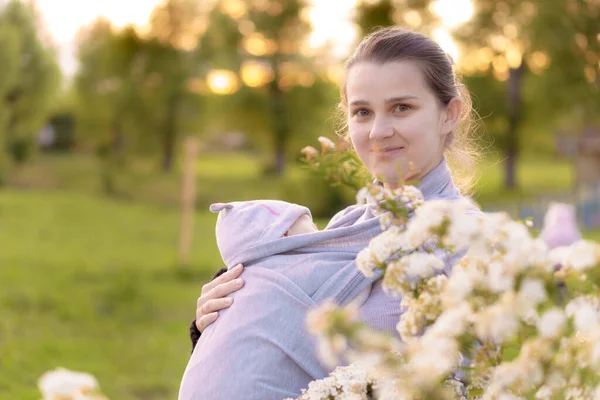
(437, 180)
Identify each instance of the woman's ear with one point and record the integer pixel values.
(452, 115)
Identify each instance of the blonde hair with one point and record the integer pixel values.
(398, 44)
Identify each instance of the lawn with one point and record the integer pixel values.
(535, 177)
(91, 285)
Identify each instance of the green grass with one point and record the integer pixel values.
(91, 285)
(238, 176)
(534, 176)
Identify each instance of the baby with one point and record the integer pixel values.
(259, 348)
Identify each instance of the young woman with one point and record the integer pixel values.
(406, 111)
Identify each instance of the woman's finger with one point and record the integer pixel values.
(217, 293)
(206, 320)
(225, 289)
(223, 278)
(215, 305)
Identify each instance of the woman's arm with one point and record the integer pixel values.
(212, 299)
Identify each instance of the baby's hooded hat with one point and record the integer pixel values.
(244, 225)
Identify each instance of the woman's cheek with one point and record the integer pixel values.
(360, 142)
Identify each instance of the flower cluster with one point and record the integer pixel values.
(513, 320)
(352, 382)
(64, 384)
(336, 162)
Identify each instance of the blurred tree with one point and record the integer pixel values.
(414, 14)
(29, 81)
(110, 105)
(9, 54)
(283, 93)
(175, 26)
(553, 38)
(284, 30)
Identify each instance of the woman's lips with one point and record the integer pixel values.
(389, 152)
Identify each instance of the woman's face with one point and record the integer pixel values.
(396, 124)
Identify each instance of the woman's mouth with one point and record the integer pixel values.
(388, 152)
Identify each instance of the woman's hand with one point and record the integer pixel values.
(212, 298)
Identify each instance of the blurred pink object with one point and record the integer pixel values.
(560, 226)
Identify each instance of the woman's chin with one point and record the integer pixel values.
(390, 178)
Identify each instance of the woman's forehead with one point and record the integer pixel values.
(367, 81)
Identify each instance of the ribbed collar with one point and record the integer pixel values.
(438, 183)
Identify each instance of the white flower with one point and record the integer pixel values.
(428, 217)
(491, 224)
(431, 358)
(444, 220)
(362, 196)
(551, 323)
(421, 265)
(516, 234)
(410, 196)
(532, 292)
(559, 255)
(597, 393)
(452, 323)
(62, 383)
(579, 256)
(344, 383)
(584, 314)
(384, 245)
(583, 255)
(392, 389)
(326, 143)
(366, 262)
(404, 274)
(497, 322)
(535, 253)
(386, 220)
(595, 356)
(500, 277)
(460, 284)
(509, 396)
(463, 226)
(309, 152)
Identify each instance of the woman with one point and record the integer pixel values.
(405, 111)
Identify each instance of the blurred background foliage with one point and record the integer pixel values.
(91, 162)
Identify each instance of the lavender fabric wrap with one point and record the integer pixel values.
(259, 348)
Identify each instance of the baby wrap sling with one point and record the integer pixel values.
(259, 347)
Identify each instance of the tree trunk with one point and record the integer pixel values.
(512, 143)
(113, 158)
(280, 128)
(170, 134)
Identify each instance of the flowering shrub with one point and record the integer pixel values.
(513, 320)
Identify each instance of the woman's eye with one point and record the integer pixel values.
(361, 113)
(402, 108)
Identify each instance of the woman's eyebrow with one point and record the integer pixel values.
(359, 103)
(400, 98)
(387, 101)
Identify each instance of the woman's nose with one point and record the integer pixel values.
(381, 129)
